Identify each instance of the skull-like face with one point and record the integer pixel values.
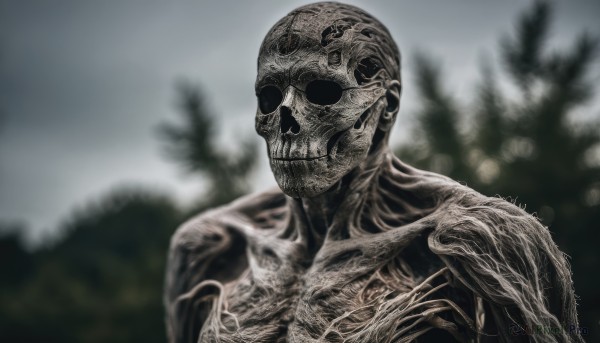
(323, 91)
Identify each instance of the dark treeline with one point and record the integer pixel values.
(102, 281)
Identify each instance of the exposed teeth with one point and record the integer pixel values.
(298, 159)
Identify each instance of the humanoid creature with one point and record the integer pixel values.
(357, 246)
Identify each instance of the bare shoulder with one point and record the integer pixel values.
(209, 226)
(499, 251)
(467, 206)
(471, 217)
(202, 244)
(208, 251)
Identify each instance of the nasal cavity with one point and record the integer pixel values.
(288, 122)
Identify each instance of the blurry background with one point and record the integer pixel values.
(120, 119)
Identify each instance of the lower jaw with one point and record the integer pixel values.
(301, 178)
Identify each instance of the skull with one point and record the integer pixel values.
(328, 89)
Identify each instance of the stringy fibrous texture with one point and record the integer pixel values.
(451, 260)
(357, 246)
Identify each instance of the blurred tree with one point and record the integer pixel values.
(103, 282)
(192, 144)
(439, 145)
(526, 147)
(15, 262)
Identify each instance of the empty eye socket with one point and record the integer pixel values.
(269, 99)
(323, 92)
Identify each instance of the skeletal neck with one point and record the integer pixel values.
(327, 214)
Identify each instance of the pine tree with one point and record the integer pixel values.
(193, 144)
(526, 148)
(439, 145)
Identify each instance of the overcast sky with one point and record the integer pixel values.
(83, 84)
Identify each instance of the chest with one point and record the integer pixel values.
(342, 294)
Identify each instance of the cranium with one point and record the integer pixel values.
(328, 89)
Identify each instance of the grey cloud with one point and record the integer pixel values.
(84, 84)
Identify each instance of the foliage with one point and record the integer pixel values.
(193, 145)
(526, 147)
(103, 282)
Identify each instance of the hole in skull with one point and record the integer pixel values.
(334, 58)
(323, 92)
(288, 122)
(269, 252)
(334, 31)
(377, 139)
(269, 98)
(366, 32)
(366, 69)
(361, 119)
(333, 141)
(392, 102)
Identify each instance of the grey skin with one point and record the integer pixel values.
(357, 246)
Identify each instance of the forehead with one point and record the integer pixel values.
(307, 28)
(325, 42)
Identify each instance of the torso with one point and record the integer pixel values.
(249, 272)
(350, 291)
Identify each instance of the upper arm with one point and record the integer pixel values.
(509, 259)
(200, 250)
